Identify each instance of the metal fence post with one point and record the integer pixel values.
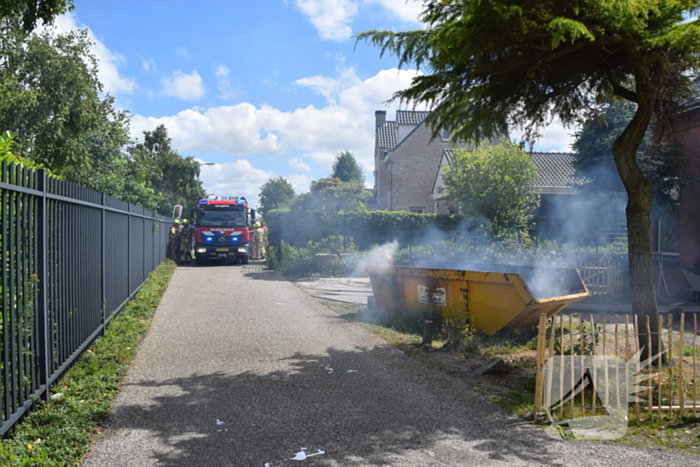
(103, 293)
(41, 309)
(128, 250)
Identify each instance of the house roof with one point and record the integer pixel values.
(388, 135)
(554, 169)
(411, 117)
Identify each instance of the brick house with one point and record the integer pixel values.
(408, 168)
(687, 133)
(405, 163)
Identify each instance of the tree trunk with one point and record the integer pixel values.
(639, 198)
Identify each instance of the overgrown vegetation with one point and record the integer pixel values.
(493, 185)
(58, 432)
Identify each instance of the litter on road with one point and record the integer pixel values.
(302, 455)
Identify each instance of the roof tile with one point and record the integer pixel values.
(387, 135)
(555, 169)
(411, 117)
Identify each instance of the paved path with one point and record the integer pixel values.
(244, 369)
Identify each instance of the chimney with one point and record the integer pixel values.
(380, 117)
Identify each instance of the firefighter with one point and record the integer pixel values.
(173, 242)
(185, 242)
(263, 241)
(255, 241)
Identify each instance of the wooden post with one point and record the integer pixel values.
(670, 361)
(541, 339)
(681, 395)
(428, 327)
(651, 395)
(573, 358)
(582, 348)
(595, 372)
(695, 379)
(561, 354)
(550, 373)
(659, 359)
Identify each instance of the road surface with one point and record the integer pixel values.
(241, 368)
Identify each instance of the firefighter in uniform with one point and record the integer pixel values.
(263, 241)
(185, 242)
(173, 241)
(255, 241)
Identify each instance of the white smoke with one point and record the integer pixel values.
(378, 256)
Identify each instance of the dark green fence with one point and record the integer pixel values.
(72, 257)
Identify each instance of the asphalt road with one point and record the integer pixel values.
(241, 368)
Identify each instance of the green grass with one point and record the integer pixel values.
(59, 432)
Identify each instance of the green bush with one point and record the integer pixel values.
(364, 229)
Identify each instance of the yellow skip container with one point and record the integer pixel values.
(493, 297)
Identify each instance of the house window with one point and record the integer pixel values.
(445, 135)
(451, 211)
(417, 210)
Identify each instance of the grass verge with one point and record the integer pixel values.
(58, 432)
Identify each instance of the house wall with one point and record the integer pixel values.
(415, 162)
(687, 133)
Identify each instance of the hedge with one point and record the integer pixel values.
(364, 229)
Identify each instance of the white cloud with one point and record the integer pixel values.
(183, 52)
(188, 87)
(329, 17)
(405, 10)
(300, 182)
(149, 65)
(331, 87)
(554, 137)
(299, 164)
(108, 61)
(316, 134)
(237, 178)
(226, 89)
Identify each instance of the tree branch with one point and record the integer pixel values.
(623, 92)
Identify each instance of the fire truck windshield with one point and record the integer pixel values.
(221, 218)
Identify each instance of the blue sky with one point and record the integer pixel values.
(262, 88)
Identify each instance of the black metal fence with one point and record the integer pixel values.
(71, 257)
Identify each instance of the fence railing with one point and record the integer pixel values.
(601, 277)
(71, 257)
(597, 366)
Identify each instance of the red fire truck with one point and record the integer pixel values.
(222, 229)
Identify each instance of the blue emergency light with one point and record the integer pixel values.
(203, 201)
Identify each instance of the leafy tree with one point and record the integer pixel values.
(346, 169)
(52, 99)
(29, 12)
(53, 102)
(491, 64)
(332, 195)
(494, 186)
(275, 193)
(319, 211)
(594, 158)
(173, 178)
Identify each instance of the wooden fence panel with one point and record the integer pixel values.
(671, 388)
